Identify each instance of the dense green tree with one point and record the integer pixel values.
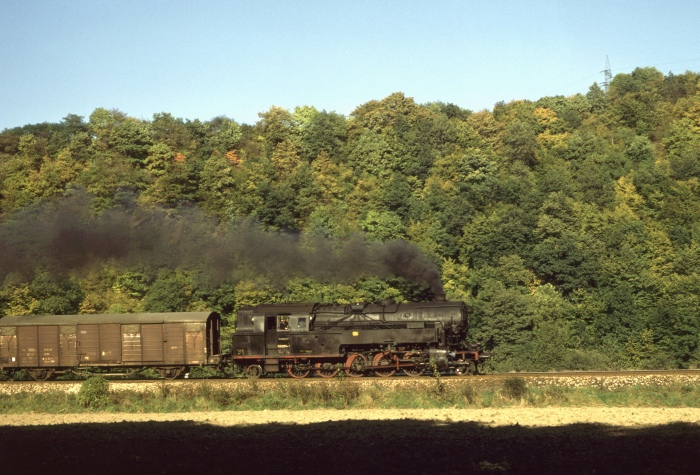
(170, 292)
(520, 140)
(277, 125)
(220, 180)
(132, 139)
(372, 155)
(224, 134)
(564, 255)
(325, 132)
(634, 98)
(171, 131)
(383, 226)
(55, 296)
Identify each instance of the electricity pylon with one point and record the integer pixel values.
(607, 73)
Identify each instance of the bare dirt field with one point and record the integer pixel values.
(532, 417)
(508, 440)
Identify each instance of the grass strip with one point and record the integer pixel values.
(94, 395)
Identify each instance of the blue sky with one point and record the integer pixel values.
(201, 59)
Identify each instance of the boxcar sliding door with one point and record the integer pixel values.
(89, 344)
(174, 340)
(131, 343)
(68, 344)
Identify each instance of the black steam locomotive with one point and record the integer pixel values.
(298, 339)
(358, 338)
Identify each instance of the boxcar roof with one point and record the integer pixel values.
(123, 318)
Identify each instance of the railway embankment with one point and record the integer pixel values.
(601, 380)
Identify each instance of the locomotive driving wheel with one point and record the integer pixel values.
(466, 369)
(326, 370)
(254, 371)
(384, 359)
(298, 372)
(414, 371)
(355, 365)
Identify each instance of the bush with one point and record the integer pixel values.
(204, 372)
(468, 393)
(515, 388)
(94, 392)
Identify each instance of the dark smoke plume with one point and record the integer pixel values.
(66, 236)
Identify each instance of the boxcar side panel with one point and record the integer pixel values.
(48, 346)
(110, 343)
(195, 344)
(28, 343)
(8, 347)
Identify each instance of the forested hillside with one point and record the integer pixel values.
(571, 224)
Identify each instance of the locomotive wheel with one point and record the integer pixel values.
(170, 373)
(41, 374)
(326, 370)
(297, 373)
(384, 359)
(461, 370)
(254, 371)
(412, 372)
(466, 370)
(355, 365)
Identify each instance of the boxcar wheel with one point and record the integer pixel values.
(170, 373)
(41, 374)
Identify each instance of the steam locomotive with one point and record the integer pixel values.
(297, 339)
(359, 338)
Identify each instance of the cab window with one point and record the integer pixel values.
(284, 322)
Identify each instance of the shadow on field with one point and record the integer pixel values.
(348, 447)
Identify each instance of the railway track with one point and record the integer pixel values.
(606, 379)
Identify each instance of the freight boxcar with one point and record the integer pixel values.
(169, 342)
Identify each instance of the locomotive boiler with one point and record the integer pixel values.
(361, 338)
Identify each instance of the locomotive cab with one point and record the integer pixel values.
(267, 333)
